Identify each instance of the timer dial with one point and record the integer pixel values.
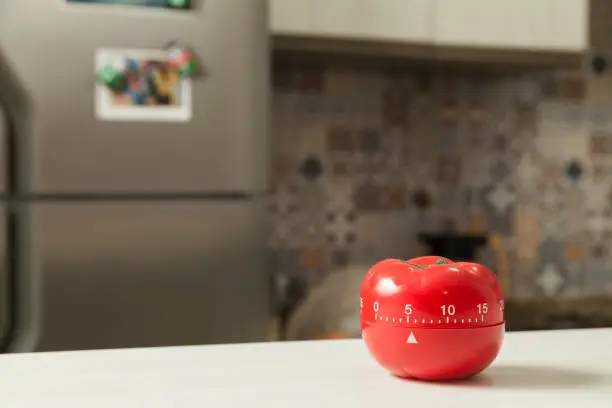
(432, 318)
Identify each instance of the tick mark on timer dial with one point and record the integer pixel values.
(447, 315)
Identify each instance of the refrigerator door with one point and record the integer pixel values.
(4, 135)
(5, 304)
(151, 274)
(222, 148)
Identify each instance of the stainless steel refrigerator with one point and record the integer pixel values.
(5, 262)
(136, 233)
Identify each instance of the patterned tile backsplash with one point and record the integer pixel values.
(366, 157)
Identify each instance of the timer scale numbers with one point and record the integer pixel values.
(447, 314)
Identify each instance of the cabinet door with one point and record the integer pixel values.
(395, 20)
(336, 18)
(291, 16)
(543, 25)
(382, 20)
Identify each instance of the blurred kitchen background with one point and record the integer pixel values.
(473, 129)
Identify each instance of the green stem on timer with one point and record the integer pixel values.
(438, 262)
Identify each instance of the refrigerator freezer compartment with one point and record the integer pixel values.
(222, 148)
(151, 274)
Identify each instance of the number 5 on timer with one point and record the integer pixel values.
(431, 318)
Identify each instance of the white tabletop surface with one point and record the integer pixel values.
(535, 369)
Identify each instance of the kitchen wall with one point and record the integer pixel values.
(366, 154)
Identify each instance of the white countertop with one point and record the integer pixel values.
(570, 368)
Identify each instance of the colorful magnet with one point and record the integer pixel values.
(168, 4)
(179, 4)
(113, 73)
(181, 59)
(111, 77)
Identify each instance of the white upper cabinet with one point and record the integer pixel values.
(538, 25)
(291, 17)
(378, 20)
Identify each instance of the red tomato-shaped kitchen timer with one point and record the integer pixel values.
(431, 318)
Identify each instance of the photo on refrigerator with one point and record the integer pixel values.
(145, 86)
